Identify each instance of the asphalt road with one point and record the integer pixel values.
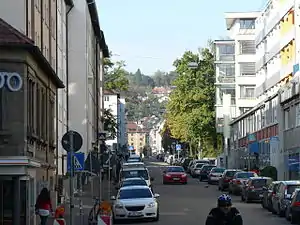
(189, 204)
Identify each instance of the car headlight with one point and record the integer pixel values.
(183, 175)
(151, 205)
(118, 206)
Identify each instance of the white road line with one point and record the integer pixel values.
(172, 214)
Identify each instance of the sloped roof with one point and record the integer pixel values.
(12, 38)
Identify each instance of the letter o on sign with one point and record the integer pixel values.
(12, 81)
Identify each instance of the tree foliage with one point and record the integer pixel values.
(190, 110)
(110, 123)
(115, 76)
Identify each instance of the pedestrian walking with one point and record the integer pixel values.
(43, 206)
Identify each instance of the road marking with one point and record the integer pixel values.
(186, 210)
(172, 214)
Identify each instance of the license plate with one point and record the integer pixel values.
(135, 213)
(261, 195)
(176, 178)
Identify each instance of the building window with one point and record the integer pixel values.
(230, 91)
(226, 52)
(247, 24)
(226, 69)
(44, 114)
(52, 120)
(141, 143)
(286, 119)
(131, 144)
(30, 105)
(247, 91)
(247, 69)
(247, 47)
(38, 111)
(297, 108)
(106, 98)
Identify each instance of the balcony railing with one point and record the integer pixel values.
(226, 80)
(225, 57)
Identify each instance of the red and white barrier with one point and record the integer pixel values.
(104, 220)
(59, 222)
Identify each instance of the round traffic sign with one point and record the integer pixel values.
(72, 141)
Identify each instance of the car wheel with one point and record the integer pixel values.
(263, 204)
(184, 183)
(200, 178)
(280, 212)
(157, 216)
(219, 188)
(242, 198)
(293, 219)
(287, 215)
(247, 199)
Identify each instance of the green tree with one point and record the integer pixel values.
(110, 123)
(115, 76)
(190, 111)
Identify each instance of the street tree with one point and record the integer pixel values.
(190, 110)
(115, 76)
(110, 123)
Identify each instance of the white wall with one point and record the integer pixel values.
(78, 71)
(122, 122)
(62, 74)
(111, 102)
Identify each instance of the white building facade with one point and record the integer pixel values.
(268, 133)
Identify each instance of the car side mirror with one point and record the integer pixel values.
(151, 179)
(265, 188)
(112, 197)
(156, 195)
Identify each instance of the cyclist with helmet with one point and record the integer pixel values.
(224, 213)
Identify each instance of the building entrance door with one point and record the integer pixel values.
(7, 201)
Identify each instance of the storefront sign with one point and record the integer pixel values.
(12, 81)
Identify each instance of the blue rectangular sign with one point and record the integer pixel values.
(78, 161)
(178, 147)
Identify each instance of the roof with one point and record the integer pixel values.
(134, 168)
(259, 178)
(134, 187)
(134, 178)
(111, 92)
(96, 26)
(231, 17)
(11, 38)
(291, 182)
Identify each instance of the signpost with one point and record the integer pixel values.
(72, 142)
(178, 149)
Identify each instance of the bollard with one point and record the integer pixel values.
(81, 213)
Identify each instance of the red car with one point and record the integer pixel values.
(174, 174)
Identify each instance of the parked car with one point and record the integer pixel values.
(239, 180)
(195, 170)
(268, 195)
(174, 174)
(215, 175)
(283, 196)
(226, 178)
(253, 190)
(186, 163)
(204, 171)
(293, 210)
(195, 161)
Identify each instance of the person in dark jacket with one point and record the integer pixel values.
(224, 213)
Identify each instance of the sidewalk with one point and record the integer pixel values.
(89, 191)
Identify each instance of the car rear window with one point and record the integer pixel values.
(230, 173)
(292, 188)
(246, 175)
(259, 182)
(175, 169)
(217, 170)
(199, 165)
(206, 168)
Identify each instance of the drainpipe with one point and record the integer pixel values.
(97, 89)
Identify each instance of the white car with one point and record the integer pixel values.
(135, 202)
(215, 175)
(133, 164)
(136, 172)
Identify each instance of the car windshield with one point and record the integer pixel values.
(175, 169)
(298, 196)
(135, 173)
(134, 183)
(207, 168)
(246, 175)
(135, 193)
(292, 188)
(230, 173)
(218, 170)
(259, 182)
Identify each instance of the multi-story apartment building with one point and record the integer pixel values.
(267, 134)
(235, 65)
(138, 137)
(76, 59)
(123, 122)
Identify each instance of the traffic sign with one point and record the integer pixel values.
(102, 136)
(131, 148)
(78, 163)
(178, 147)
(72, 138)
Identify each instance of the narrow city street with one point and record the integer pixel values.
(189, 204)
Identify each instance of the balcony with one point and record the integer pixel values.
(220, 110)
(225, 80)
(225, 58)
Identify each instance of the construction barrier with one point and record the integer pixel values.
(104, 213)
(59, 216)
